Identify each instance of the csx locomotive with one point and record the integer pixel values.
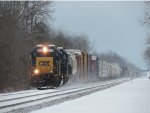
(49, 66)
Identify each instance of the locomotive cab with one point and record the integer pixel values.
(45, 66)
(42, 58)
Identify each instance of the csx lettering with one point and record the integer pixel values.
(44, 63)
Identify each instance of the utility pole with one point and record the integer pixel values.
(130, 74)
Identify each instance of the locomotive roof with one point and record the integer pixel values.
(74, 50)
(50, 45)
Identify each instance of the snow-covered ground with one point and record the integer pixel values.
(125, 98)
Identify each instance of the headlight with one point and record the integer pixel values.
(51, 71)
(45, 49)
(36, 71)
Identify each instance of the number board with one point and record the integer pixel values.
(44, 63)
(48, 50)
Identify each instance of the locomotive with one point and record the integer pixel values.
(49, 66)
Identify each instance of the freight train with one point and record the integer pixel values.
(53, 67)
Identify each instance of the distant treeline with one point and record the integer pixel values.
(23, 25)
(146, 22)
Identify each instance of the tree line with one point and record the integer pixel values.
(146, 22)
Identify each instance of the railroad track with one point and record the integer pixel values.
(29, 102)
(20, 92)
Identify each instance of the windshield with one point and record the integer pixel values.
(38, 52)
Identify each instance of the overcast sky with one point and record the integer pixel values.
(112, 26)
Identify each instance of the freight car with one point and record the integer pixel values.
(80, 59)
(94, 68)
(103, 70)
(86, 65)
(109, 70)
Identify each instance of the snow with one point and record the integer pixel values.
(125, 98)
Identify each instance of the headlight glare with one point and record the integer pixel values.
(45, 49)
(36, 71)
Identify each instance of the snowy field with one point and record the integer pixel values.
(125, 98)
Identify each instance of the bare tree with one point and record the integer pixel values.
(113, 57)
(71, 42)
(19, 20)
(146, 21)
(81, 42)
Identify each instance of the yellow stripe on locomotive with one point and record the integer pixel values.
(44, 65)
